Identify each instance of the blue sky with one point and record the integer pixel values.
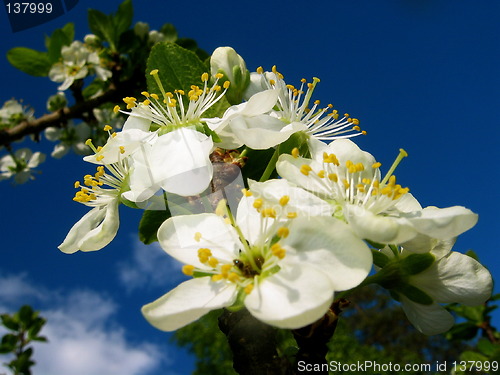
(421, 75)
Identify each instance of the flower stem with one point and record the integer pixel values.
(270, 166)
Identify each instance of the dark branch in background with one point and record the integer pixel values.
(56, 119)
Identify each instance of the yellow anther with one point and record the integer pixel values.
(248, 289)
(376, 165)
(364, 132)
(197, 236)
(356, 127)
(283, 232)
(213, 262)
(278, 251)
(284, 200)
(260, 70)
(233, 277)
(224, 269)
(346, 115)
(122, 149)
(99, 148)
(217, 277)
(116, 108)
(153, 72)
(246, 192)
(226, 84)
(145, 93)
(330, 158)
(333, 177)
(204, 254)
(154, 96)
(204, 77)
(188, 270)
(99, 157)
(219, 75)
(268, 212)
(146, 102)
(317, 102)
(291, 215)
(77, 184)
(305, 169)
(392, 180)
(295, 152)
(360, 167)
(321, 173)
(113, 135)
(355, 121)
(366, 181)
(272, 82)
(346, 183)
(258, 203)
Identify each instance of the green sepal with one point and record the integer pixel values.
(149, 224)
(375, 245)
(379, 258)
(296, 140)
(178, 68)
(30, 61)
(211, 133)
(414, 294)
(417, 263)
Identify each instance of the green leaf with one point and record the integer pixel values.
(9, 342)
(9, 322)
(26, 315)
(472, 313)
(486, 347)
(149, 224)
(170, 32)
(123, 18)
(416, 263)
(102, 26)
(58, 39)
(462, 331)
(178, 68)
(30, 61)
(69, 30)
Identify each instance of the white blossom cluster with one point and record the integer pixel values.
(282, 248)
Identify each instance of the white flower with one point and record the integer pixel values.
(20, 165)
(377, 209)
(178, 159)
(282, 266)
(78, 61)
(12, 112)
(178, 162)
(70, 137)
(452, 278)
(72, 67)
(98, 227)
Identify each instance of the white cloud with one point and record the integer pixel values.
(83, 337)
(150, 267)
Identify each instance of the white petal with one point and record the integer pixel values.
(442, 223)
(428, 319)
(295, 296)
(456, 278)
(177, 237)
(381, 229)
(330, 246)
(263, 131)
(59, 150)
(260, 103)
(188, 302)
(181, 162)
(137, 122)
(94, 230)
(288, 167)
